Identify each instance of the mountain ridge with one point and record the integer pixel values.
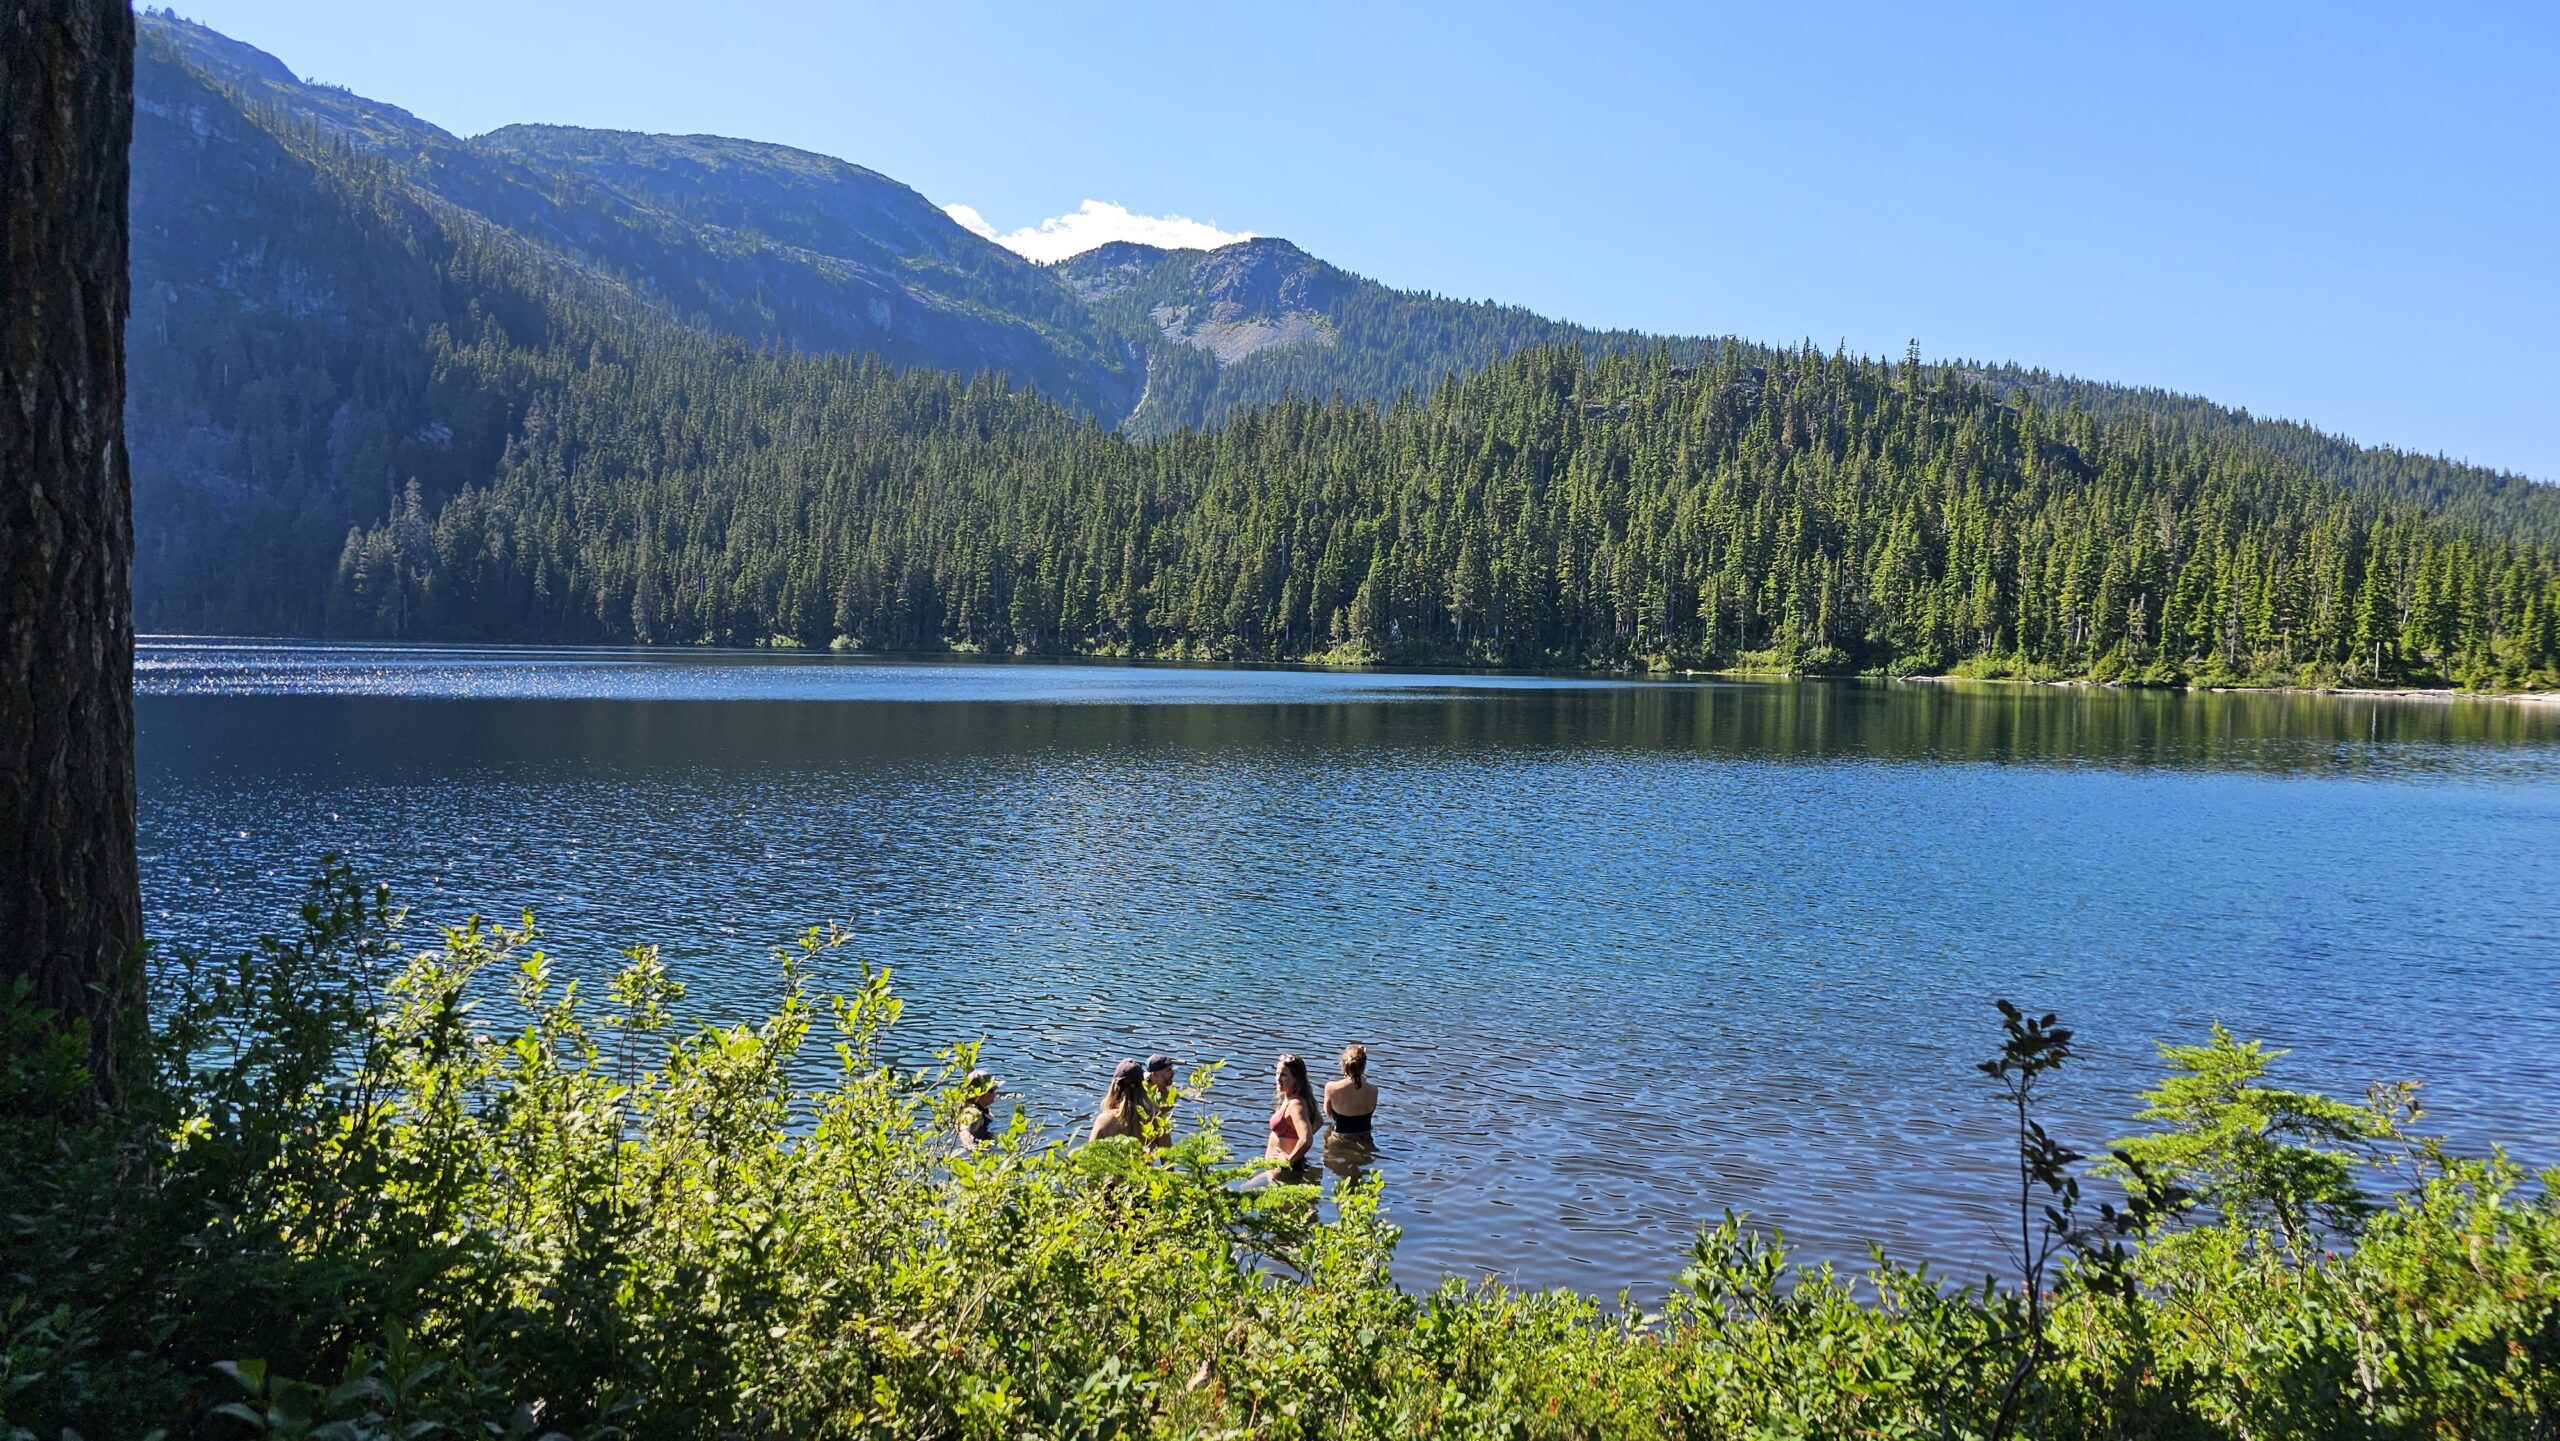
(340, 317)
(1109, 387)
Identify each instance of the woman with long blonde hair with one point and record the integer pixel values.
(1123, 1111)
(1351, 1102)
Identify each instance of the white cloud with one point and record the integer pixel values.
(1098, 222)
(970, 220)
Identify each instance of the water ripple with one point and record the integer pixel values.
(1624, 954)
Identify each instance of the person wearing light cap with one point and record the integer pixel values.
(976, 1124)
(1160, 1098)
(1123, 1111)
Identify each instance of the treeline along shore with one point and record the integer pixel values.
(1806, 511)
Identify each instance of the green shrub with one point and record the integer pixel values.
(439, 1193)
(1823, 660)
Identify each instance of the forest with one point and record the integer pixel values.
(364, 408)
(1787, 509)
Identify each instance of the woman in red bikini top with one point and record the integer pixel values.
(1294, 1121)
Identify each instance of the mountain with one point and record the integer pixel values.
(1254, 322)
(351, 327)
(779, 246)
(281, 383)
(763, 242)
(305, 260)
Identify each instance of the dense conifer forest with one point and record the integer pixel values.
(1819, 511)
(2499, 502)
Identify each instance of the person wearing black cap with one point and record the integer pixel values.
(1160, 1098)
(976, 1123)
(1123, 1111)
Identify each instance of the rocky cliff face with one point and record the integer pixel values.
(1267, 276)
(1250, 322)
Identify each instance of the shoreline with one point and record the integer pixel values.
(2521, 697)
(185, 640)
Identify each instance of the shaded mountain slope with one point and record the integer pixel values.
(282, 386)
(763, 242)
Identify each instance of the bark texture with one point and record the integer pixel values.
(70, 901)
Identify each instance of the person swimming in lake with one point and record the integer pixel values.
(1351, 1102)
(975, 1124)
(1294, 1121)
(1160, 1099)
(1124, 1110)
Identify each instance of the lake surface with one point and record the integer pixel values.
(1624, 953)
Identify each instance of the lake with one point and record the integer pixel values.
(1625, 953)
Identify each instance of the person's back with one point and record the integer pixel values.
(1351, 1102)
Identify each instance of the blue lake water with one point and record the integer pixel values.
(1625, 953)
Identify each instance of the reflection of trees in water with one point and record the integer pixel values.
(2272, 732)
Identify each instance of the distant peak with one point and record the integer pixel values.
(212, 50)
(1271, 246)
(1114, 255)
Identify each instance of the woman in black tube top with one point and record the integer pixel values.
(1350, 1102)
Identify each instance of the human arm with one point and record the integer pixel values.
(1308, 1124)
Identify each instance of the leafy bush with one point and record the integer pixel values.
(1823, 660)
(357, 1203)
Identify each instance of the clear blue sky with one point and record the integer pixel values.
(2344, 213)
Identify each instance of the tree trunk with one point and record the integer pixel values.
(70, 901)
